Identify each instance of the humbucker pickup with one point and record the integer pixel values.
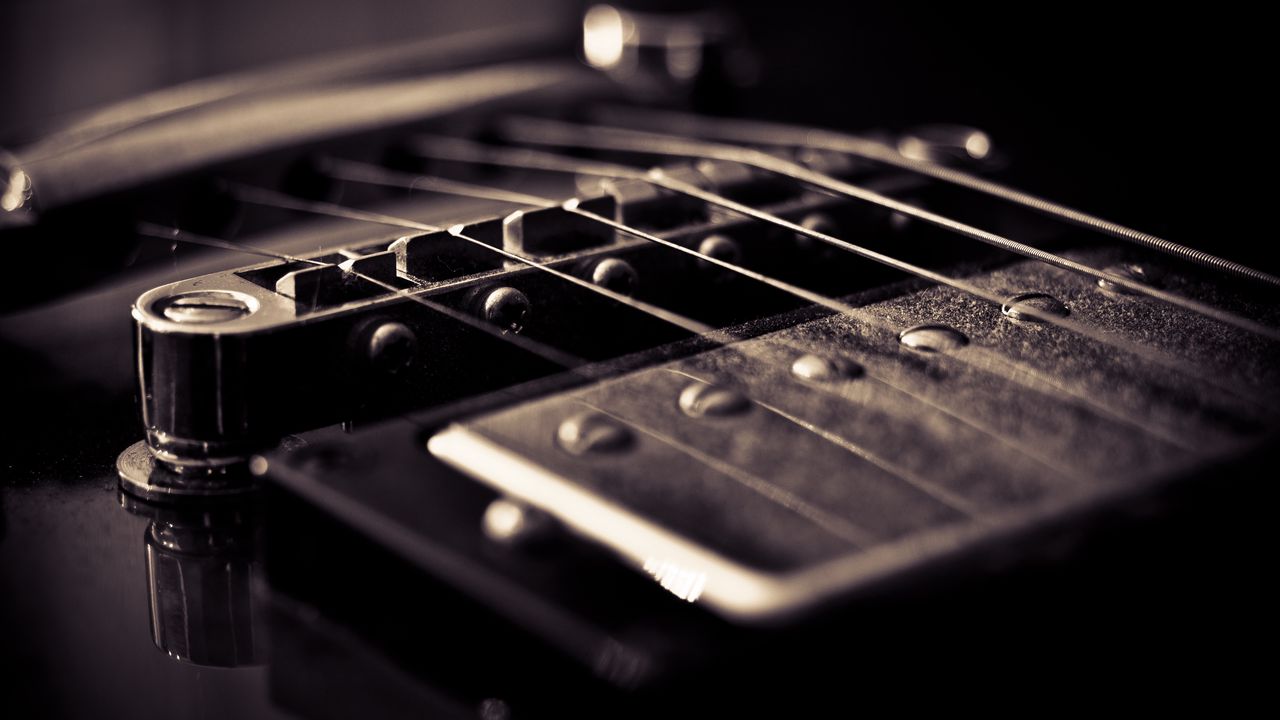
(770, 475)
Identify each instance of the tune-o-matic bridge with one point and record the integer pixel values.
(230, 363)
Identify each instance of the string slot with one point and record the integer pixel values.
(360, 278)
(548, 232)
(268, 275)
(439, 257)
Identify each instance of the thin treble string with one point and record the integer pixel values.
(457, 149)
(160, 232)
(783, 135)
(552, 132)
(360, 172)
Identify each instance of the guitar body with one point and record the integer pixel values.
(408, 475)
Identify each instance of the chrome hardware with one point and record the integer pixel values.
(512, 523)
(17, 193)
(701, 399)
(1014, 307)
(823, 369)
(207, 306)
(933, 338)
(506, 307)
(1129, 271)
(946, 145)
(391, 346)
(614, 274)
(592, 432)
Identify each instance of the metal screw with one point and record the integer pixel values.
(207, 306)
(1129, 271)
(720, 247)
(817, 222)
(946, 144)
(616, 275)
(700, 399)
(494, 709)
(901, 222)
(15, 191)
(933, 338)
(826, 161)
(1015, 307)
(391, 346)
(592, 432)
(506, 307)
(513, 523)
(817, 368)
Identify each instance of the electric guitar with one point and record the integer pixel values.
(516, 374)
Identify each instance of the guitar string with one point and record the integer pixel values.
(458, 149)
(326, 208)
(535, 347)
(539, 131)
(361, 172)
(723, 338)
(921, 484)
(1017, 370)
(519, 391)
(126, 115)
(734, 130)
(837, 526)
(261, 196)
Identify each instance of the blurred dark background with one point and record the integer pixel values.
(1147, 114)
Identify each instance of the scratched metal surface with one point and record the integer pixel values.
(1023, 417)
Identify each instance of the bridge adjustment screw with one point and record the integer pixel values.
(1128, 271)
(1015, 308)
(719, 247)
(592, 433)
(822, 369)
(817, 222)
(933, 338)
(506, 307)
(512, 523)
(391, 346)
(616, 275)
(701, 399)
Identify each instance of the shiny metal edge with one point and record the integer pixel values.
(739, 592)
(730, 588)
